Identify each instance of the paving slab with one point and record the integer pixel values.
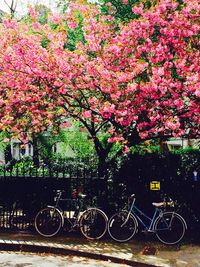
(137, 250)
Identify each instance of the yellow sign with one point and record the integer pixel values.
(154, 185)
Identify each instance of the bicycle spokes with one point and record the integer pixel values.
(93, 223)
(48, 222)
(170, 228)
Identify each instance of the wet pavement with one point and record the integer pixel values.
(148, 251)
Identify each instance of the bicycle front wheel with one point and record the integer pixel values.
(122, 227)
(48, 221)
(93, 223)
(170, 228)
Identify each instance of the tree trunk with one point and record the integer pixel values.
(102, 180)
(102, 166)
(132, 137)
(163, 147)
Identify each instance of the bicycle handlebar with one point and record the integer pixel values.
(169, 201)
(74, 196)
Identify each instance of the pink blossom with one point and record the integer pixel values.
(172, 124)
(36, 26)
(126, 149)
(1, 102)
(82, 129)
(116, 95)
(87, 114)
(66, 124)
(124, 2)
(10, 24)
(115, 139)
(55, 18)
(107, 111)
(6, 140)
(158, 71)
(132, 87)
(50, 116)
(197, 92)
(62, 90)
(24, 139)
(72, 24)
(143, 135)
(138, 9)
(32, 12)
(108, 4)
(35, 122)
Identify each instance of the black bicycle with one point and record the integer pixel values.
(92, 222)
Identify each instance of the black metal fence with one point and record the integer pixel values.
(61, 169)
(24, 190)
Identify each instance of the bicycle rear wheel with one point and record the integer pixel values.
(48, 221)
(170, 228)
(122, 228)
(93, 223)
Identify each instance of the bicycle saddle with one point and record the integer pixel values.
(159, 204)
(80, 195)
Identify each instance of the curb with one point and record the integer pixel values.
(65, 251)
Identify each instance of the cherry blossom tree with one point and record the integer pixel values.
(143, 79)
(136, 81)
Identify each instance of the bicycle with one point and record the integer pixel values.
(92, 222)
(168, 226)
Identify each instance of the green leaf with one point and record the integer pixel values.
(45, 42)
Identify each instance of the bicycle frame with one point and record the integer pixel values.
(73, 223)
(138, 213)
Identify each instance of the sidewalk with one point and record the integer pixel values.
(149, 252)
